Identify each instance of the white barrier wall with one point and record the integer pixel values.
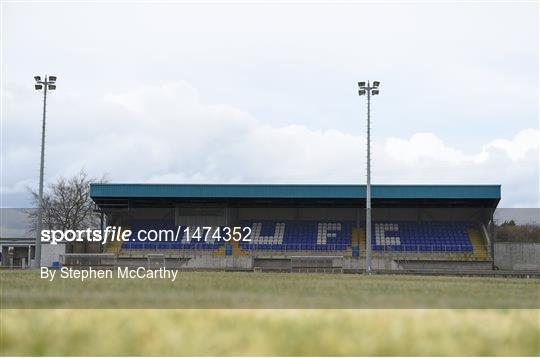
(51, 253)
(517, 256)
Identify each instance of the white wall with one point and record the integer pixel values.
(517, 256)
(51, 253)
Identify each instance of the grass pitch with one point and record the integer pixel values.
(24, 289)
(282, 332)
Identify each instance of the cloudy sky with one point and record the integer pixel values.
(216, 92)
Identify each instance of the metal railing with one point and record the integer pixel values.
(403, 248)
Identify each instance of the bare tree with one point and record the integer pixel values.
(509, 231)
(66, 204)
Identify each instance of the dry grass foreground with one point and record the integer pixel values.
(116, 332)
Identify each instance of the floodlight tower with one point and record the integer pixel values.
(368, 89)
(48, 83)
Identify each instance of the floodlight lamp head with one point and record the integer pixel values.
(361, 84)
(52, 78)
(361, 92)
(52, 87)
(38, 87)
(37, 78)
(375, 92)
(376, 83)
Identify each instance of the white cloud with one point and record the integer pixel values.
(421, 147)
(518, 147)
(426, 147)
(167, 133)
(425, 158)
(277, 101)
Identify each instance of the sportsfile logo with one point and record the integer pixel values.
(118, 234)
(109, 234)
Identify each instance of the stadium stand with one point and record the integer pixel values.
(422, 237)
(335, 236)
(413, 225)
(198, 238)
(299, 235)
